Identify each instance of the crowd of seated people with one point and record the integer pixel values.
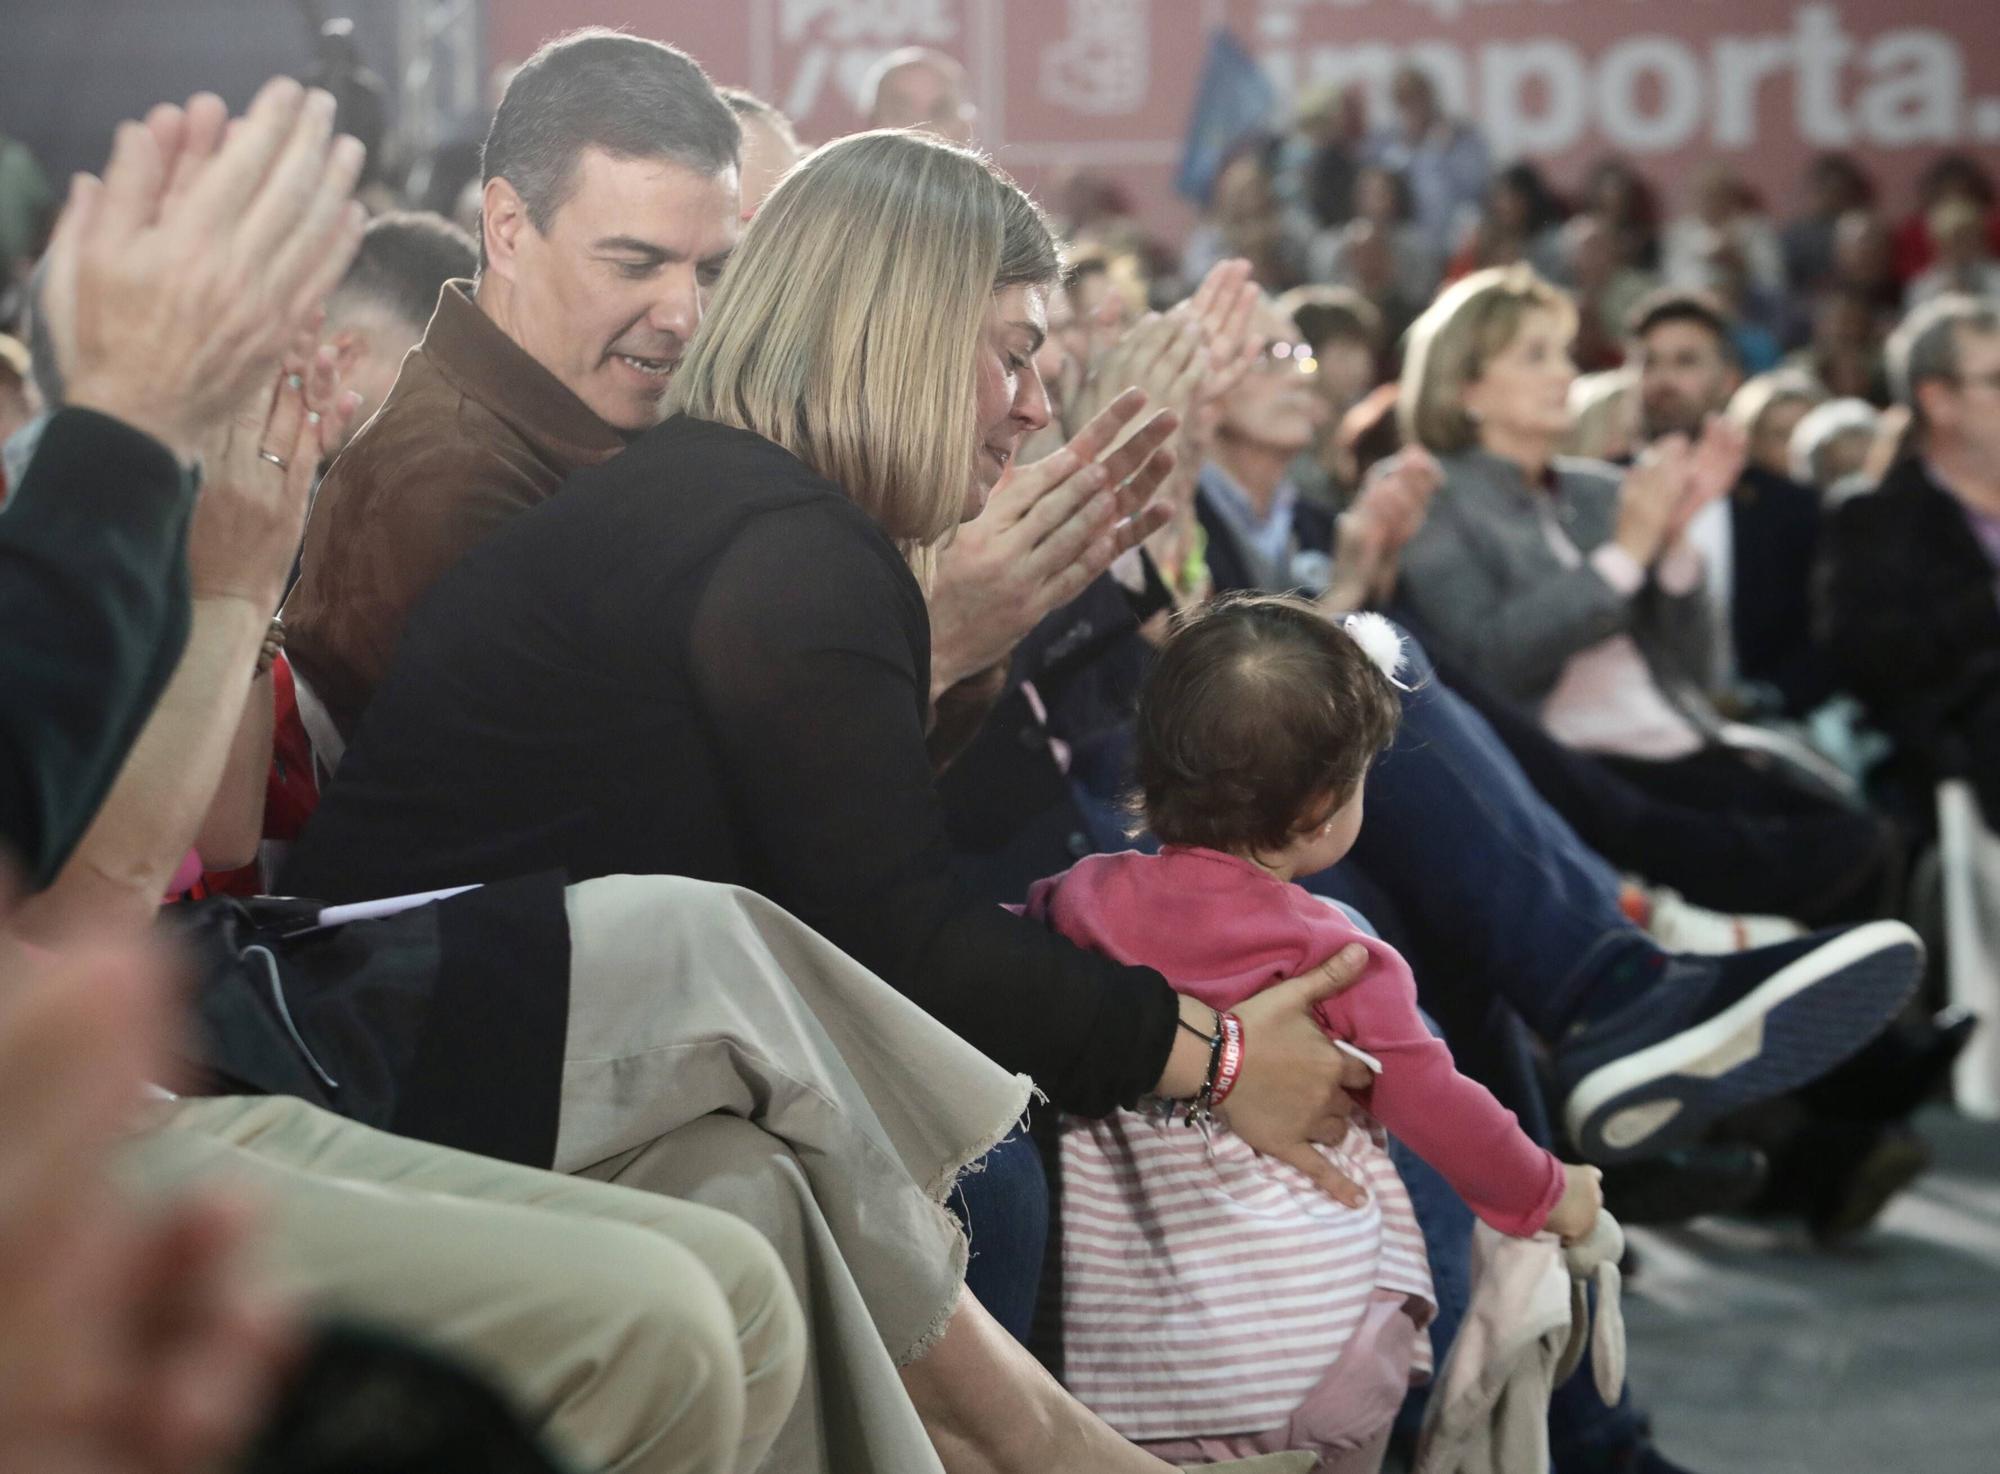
(651, 830)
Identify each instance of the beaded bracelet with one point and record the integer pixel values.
(1191, 1107)
(1225, 1067)
(274, 641)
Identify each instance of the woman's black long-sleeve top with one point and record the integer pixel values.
(703, 659)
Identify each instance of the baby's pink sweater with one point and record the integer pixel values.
(1221, 929)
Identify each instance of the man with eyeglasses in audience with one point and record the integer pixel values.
(1912, 595)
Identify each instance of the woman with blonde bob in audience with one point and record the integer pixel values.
(709, 657)
(1571, 588)
(1530, 560)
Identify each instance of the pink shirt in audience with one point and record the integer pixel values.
(1607, 699)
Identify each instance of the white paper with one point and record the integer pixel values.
(387, 906)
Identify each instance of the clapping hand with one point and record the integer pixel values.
(258, 467)
(175, 284)
(1162, 354)
(1397, 493)
(1055, 524)
(1185, 359)
(1225, 304)
(1714, 466)
(1049, 529)
(1650, 499)
(1370, 535)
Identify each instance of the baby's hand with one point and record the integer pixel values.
(1583, 1198)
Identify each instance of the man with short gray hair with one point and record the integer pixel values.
(1912, 609)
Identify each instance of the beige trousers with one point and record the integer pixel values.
(698, 1008)
(719, 1052)
(649, 1336)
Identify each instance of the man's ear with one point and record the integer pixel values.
(503, 216)
(350, 346)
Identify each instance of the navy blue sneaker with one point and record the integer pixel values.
(1714, 1034)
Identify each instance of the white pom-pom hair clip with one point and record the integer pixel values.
(1379, 642)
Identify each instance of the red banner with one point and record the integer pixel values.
(1107, 83)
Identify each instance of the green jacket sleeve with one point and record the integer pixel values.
(94, 601)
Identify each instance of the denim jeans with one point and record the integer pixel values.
(1004, 1208)
(1495, 890)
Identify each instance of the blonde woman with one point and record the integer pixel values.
(1569, 587)
(1767, 408)
(1604, 415)
(709, 657)
(1530, 560)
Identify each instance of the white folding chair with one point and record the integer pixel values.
(1969, 864)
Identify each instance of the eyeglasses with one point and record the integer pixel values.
(1294, 358)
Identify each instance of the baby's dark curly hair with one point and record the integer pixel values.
(1259, 718)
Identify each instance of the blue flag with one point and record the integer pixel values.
(1235, 99)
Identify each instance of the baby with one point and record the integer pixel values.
(1215, 1303)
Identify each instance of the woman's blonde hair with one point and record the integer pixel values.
(1604, 415)
(1758, 396)
(847, 324)
(1472, 321)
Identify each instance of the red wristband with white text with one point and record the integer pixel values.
(1230, 1064)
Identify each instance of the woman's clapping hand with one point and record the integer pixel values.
(1050, 528)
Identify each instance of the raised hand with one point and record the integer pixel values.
(1650, 498)
(1370, 535)
(1397, 492)
(1360, 555)
(1161, 354)
(175, 284)
(1225, 304)
(1050, 527)
(1714, 466)
(258, 468)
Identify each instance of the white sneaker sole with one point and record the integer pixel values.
(1790, 1029)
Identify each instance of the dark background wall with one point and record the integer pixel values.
(71, 69)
